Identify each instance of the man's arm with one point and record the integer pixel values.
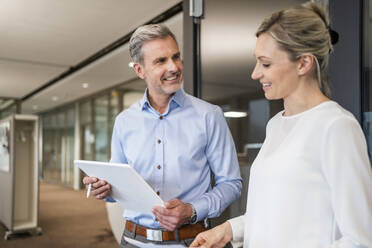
(223, 161)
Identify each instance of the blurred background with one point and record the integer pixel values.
(64, 76)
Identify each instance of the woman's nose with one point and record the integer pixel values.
(256, 74)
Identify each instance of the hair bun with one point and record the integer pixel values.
(334, 35)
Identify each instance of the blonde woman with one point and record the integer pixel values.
(311, 183)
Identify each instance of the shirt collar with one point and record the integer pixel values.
(178, 98)
(144, 101)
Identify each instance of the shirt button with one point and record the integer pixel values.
(158, 167)
(159, 141)
(158, 192)
(161, 117)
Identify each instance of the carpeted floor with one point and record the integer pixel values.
(68, 219)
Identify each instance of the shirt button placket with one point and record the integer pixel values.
(159, 155)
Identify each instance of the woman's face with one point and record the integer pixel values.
(275, 71)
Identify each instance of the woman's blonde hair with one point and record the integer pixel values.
(303, 30)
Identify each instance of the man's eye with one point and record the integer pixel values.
(266, 65)
(160, 61)
(176, 57)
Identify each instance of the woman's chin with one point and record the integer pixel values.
(269, 97)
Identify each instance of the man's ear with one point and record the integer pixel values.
(138, 69)
(305, 64)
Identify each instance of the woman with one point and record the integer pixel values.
(311, 183)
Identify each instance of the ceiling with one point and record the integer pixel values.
(45, 38)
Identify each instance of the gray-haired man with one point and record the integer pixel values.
(175, 141)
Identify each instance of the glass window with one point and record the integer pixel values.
(69, 151)
(12, 109)
(130, 97)
(132, 92)
(86, 130)
(114, 106)
(58, 146)
(86, 112)
(115, 109)
(51, 167)
(101, 121)
(367, 71)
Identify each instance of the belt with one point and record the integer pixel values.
(184, 232)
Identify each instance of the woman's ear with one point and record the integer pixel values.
(305, 64)
(139, 70)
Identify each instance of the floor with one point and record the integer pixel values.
(67, 219)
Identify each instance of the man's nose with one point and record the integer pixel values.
(172, 66)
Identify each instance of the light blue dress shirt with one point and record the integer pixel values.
(177, 151)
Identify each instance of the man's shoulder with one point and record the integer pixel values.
(200, 105)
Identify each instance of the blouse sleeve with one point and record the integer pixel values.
(347, 169)
(237, 226)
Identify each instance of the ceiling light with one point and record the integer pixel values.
(235, 114)
(131, 64)
(55, 98)
(35, 107)
(85, 85)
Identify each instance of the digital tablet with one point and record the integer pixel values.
(127, 186)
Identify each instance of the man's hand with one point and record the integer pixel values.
(173, 215)
(216, 237)
(100, 188)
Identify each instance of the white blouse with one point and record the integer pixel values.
(310, 185)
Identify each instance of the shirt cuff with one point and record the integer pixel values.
(237, 227)
(109, 199)
(201, 208)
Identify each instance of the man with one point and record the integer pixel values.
(175, 142)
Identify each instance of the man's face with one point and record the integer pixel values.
(162, 66)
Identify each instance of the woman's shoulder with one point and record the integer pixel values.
(335, 112)
(335, 118)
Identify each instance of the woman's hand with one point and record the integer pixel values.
(214, 238)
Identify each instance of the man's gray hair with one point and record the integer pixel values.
(146, 33)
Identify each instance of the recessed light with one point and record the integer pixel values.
(131, 64)
(235, 114)
(55, 98)
(85, 85)
(35, 107)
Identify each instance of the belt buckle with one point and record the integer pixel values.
(154, 235)
(206, 223)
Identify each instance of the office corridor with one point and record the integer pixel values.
(67, 219)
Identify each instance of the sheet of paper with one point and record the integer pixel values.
(127, 186)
